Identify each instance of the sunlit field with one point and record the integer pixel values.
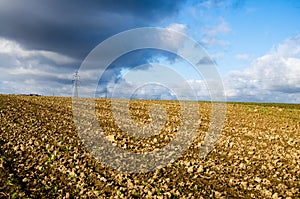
(42, 155)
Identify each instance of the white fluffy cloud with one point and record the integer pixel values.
(274, 77)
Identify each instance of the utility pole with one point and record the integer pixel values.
(105, 94)
(75, 84)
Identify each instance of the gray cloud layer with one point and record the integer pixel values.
(73, 28)
(43, 42)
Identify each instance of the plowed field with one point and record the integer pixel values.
(42, 155)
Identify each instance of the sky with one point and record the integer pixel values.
(255, 46)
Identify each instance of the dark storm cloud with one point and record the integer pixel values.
(73, 28)
(134, 59)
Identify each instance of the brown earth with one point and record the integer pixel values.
(42, 156)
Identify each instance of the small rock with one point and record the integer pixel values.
(190, 169)
(218, 194)
(36, 143)
(200, 169)
(289, 193)
(103, 179)
(22, 147)
(267, 193)
(25, 180)
(231, 181)
(244, 184)
(257, 179)
(110, 138)
(242, 166)
(275, 195)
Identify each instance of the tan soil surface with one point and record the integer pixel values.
(42, 156)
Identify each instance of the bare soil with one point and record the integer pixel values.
(42, 156)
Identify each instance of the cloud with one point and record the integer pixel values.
(178, 27)
(12, 48)
(243, 57)
(187, 90)
(211, 34)
(273, 77)
(209, 4)
(222, 28)
(289, 48)
(74, 28)
(32, 71)
(43, 43)
(205, 61)
(135, 90)
(212, 4)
